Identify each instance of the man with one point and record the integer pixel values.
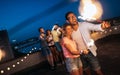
(81, 34)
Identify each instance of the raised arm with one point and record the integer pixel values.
(105, 25)
(98, 27)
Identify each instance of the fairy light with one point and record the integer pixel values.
(35, 48)
(28, 54)
(110, 30)
(18, 62)
(2, 71)
(115, 28)
(13, 65)
(8, 68)
(21, 59)
(32, 48)
(25, 57)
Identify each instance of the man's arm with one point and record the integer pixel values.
(98, 27)
(105, 25)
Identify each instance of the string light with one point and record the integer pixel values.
(8, 68)
(21, 59)
(107, 32)
(2, 71)
(110, 30)
(115, 28)
(35, 48)
(18, 62)
(13, 65)
(32, 49)
(25, 57)
(28, 54)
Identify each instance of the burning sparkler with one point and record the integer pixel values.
(90, 10)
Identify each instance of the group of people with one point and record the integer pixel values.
(50, 46)
(77, 45)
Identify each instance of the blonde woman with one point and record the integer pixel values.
(71, 53)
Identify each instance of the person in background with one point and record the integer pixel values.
(71, 53)
(51, 45)
(81, 34)
(45, 49)
(56, 37)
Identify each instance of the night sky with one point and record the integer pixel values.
(22, 18)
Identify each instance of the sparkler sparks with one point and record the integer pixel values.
(90, 10)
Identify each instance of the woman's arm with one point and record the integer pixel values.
(70, 49)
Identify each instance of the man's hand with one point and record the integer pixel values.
(85, 51)
(105, 24)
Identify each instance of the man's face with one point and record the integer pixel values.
(55, 27)
(72, 19)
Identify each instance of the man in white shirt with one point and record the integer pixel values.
(81, 34)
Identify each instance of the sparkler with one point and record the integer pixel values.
(90, 10)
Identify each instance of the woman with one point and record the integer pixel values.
(51, 45)
(72, 55)
(45, 49)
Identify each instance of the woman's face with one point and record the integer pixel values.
(48, 32)
(68, 30)
(42, 30)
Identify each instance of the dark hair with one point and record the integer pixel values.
(65, 25)
(56, 24)
(40, 29)
(47, 32)
(66, 15)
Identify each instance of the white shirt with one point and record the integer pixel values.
(76, 35)
(84, 30)
(55, 35)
